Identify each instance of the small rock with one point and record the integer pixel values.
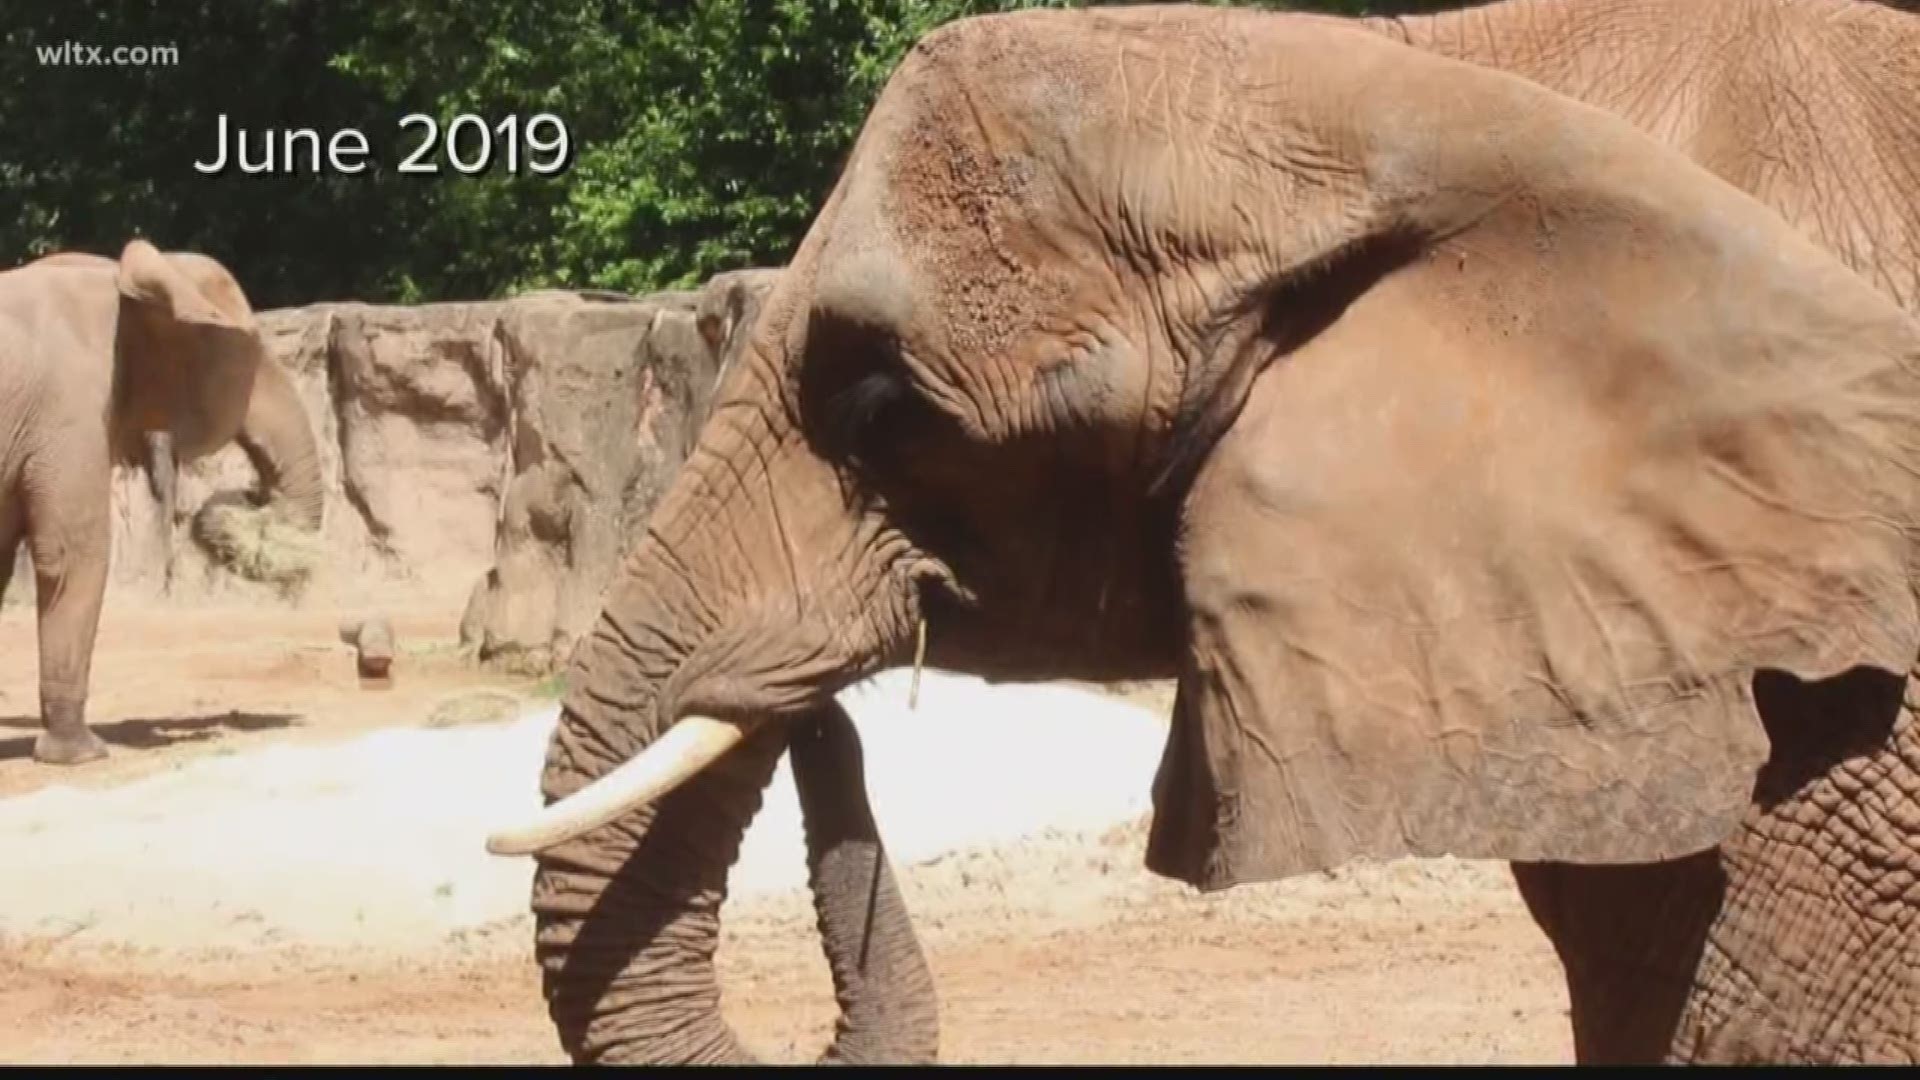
(373, 639)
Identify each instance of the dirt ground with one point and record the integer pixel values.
(1056, 947)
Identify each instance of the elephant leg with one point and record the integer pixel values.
(1630, 938)
(1814, 957)
(68, 529)
(1797, 940)
(10, 520)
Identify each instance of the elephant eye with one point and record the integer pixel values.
(859, 420)
(857, 400)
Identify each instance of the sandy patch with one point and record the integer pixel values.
(377, 841)
(1055, 946)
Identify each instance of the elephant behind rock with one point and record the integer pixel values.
(151, 359)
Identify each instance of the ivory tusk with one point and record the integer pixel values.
(687, 747)
(919, 661)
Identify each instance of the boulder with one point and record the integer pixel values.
(372, 641)
(604, 413)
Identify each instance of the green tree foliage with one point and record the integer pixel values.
(705, 134)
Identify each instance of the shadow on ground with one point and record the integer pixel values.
(149, 733)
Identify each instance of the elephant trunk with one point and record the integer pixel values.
(627, 914)
(628, 917)
(629, 953)
(627, 906)
(888, 1008)
(278, 438)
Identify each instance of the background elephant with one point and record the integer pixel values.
(146, 360)
(1163, 303)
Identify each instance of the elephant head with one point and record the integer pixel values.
(187, 350)
(191, 374)
(192, 364)
(1462, 451)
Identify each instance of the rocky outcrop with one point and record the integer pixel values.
(499, 454)
(598, 428)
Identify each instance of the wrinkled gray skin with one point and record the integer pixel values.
(149, 360)
(277, 437)
(1810, 106)
(1807, 105)
(784, 565)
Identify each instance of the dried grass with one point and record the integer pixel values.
(258, 544)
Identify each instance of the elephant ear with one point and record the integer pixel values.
(1485, 565)
(168, 286)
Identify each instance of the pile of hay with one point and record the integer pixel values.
(477, 707)
(259, 544)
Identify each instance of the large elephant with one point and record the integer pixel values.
(149, 359)
(1494, 480)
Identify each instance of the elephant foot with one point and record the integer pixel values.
(70, 748)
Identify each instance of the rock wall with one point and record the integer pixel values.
(494, 454)
(598, 428)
